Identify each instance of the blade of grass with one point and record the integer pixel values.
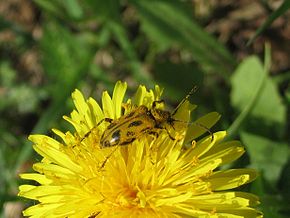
(168, 23)
(279, 12)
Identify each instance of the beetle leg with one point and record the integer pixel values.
(107, 158)
(171, 123)
(206, 128)
(168, 133)
(170, 136)
(109, 120)
(154, 133)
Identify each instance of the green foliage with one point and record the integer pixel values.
(66, 58)
(91, 44)
(167, 23)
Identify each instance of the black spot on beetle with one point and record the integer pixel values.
(116, 134)
(130, 133)
(115, 139)
(146, 129)
(156, 134)
(128, 141)
(106, 144)
(135, 123)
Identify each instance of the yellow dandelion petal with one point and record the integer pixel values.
(241, 213)
(108, 106)
(73, 120)
(35, 192)
(170, 201)
(201, 125)
(153, 169)
(200, 170)
(204, 145)
(157, 92)
(96, 113)
(41, 179)
(227, 151)
(60, 134)
(183, 113)
(144, 97)
(82, 108)
(53, 170)
(44, 140)
(41, 210)
(46, 148)
(95, 109)
(229, 179)
(139, 96)
(58, 158)
(25, 189)
(118, 95)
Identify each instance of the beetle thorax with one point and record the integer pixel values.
(159, 115)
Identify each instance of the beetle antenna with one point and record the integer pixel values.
(193, 90)
(198, 124)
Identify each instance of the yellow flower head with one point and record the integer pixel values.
(162, 172)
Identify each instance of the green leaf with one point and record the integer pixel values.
(248, 85)
(267, 155)
(245, 81)
(269, 106)
(168, 24)
(245, 104)
(279, 12)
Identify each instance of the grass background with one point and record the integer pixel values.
(237, 53)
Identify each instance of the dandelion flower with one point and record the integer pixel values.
(153, 176)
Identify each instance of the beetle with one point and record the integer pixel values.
(133, 125)
(137, 122)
